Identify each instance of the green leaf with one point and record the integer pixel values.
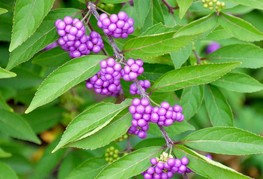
(156, 45)
(192, 76)
(31, 12)
(4, 154)
(15, 126)
(103, 137)
(113, 1)
(180, 56)
(88, 169)
(250, 55)
(200, 26)
(7, 172)
(51, 58)
(142, 9)
(3, 11)
(64, 78)
(257, 4)
(44, 35)
(6, 74)
(218, 109)
(159, 29)
(183, 6)
(240, 28)
(130, 165)
(225, 140)
(239, 82)
(191, 100)
(206, 167)
(91, 121)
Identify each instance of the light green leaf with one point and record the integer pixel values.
(239, 82)
(3, 11)
(218, 109)
(4, 154)
(257, 4)
(51, 58)
(15, 126)
(91, 121)
(250, 55)
(142, 9)
(64, 78)
(7, 172)
(30, 12)
(202, 25)
(159, 29)
(183, 6)
(88, 169)
(6, 74)
(103, 137)
(240, 28)
(191, 76)
(180, 56)
(130, 165)
(225, 140)
(113, 1)
(191, 100)
(206, 167)
(156, 45)
(44, 35)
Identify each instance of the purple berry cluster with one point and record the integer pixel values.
(132, 69)
(141, 114)
(165, 169)
(145, 84)
(107, 80)
(117, 25)
(167, 115)
(73, 37)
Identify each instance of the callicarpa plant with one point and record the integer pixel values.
(117, 89)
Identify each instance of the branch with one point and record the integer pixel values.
(170, 8)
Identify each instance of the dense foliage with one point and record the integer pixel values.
(131, 89)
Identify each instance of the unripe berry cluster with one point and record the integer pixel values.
(145, 84)
(143, 113)
(166, 167)
(111, 154)
(122, 138)
(117, 25)
(132, 69)
(213, 4)
(73, 37)
(107, 80)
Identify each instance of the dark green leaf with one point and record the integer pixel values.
(28, 11)
(192, 76)
(64, 78)
(225, 140)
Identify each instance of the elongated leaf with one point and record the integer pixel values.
(250, 55)
(6, 74)
(28, 11)
(202, 25)
(64, 78)
(240, 28)
(183, 6)
(51, 58)
(129, 165)
(15, 126)
(103, 137)
(44, 35)
(156, 45)
(225, 140)
(191, 76)
(3, 11)
(218, 109)
(159, 29)
(191, 100)
(91, 121)
(7, 172)
(239, 82)
(142, 9)
(88, 169)
(257, 4)
(4, 154)
(180, 56)
(206, 167)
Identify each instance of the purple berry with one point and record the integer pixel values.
(212, 47)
